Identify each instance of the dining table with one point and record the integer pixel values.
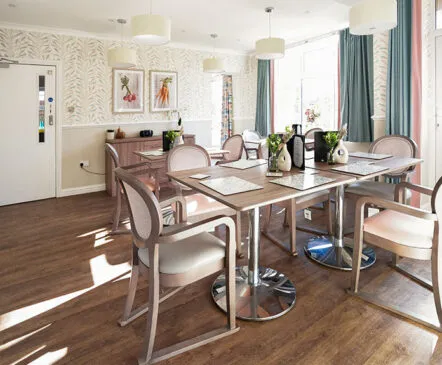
(263, 293)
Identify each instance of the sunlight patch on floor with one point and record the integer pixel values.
(50, 357)
(20, 361)
(101, 271)
(17, 316)
(96, 231)
(20, 339)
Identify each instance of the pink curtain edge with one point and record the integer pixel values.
(416, 88)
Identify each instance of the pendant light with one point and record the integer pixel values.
(373, 16)
(121, 57)
(270, 48)
(151, 28)
(214, 65)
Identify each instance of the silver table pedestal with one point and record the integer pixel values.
(261, 293)
(337, 252)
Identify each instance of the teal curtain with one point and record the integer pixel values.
(263, 99)
(356, 85)
(398, 118)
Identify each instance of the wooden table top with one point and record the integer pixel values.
(393, 164)
(271, 193)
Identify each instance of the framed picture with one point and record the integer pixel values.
(127, 91)
(163, 91)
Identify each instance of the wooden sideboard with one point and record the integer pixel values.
(126, 148)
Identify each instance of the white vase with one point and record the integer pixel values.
(178, 140)
(284, 159)
(340, 154)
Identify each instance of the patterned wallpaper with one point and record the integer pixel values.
(380, 60)
(87, 80)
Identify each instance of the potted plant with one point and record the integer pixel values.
(273, 143)
(337, 152)
(172, 135)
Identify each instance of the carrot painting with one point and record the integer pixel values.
(163, 91)
(162, 96)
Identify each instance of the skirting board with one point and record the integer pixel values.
(82, 190)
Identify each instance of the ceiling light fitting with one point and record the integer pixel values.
(270, 48)
(151, 28)
(122, 57)
(214, 65)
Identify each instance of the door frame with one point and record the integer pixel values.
(58, 115)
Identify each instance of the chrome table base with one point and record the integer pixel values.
(337, 252)
(274, 295)
(323, 251)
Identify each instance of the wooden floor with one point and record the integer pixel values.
(63, 283)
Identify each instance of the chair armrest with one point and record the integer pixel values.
(200, 227)
(398, 207)
(406, 185)
(178, 199)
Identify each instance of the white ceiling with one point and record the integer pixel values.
(238, 22)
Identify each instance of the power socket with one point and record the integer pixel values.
(84, 163)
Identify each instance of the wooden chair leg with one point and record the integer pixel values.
(239, 250)
(117, 211)
(154, 298)
(286, 222)
(132, 288)
(357, 250)
(436, 275)
(291, 215)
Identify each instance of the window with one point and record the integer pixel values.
(307, 79)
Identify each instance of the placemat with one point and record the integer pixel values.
(302, 181)
(360, 169)
(371, 156)
(243, 164)
(230, 185)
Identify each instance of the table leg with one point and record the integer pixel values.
(261, 293)
(337, 252)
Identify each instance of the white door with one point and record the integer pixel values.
(27, 133)
(438, 106)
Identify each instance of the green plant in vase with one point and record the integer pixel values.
(171, 135)
(331, 139)
(273, 143)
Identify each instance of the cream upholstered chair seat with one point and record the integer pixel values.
(187, 254)
(401, 229)
(382, 190)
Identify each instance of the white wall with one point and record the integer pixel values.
(87, 93)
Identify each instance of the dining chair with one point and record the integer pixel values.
(310, 134)
(252, 141)
(405, 231)
(147, 175)
(235, 146)
(198, 205)
(290, 208)
(395, 145)
(173, 260)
